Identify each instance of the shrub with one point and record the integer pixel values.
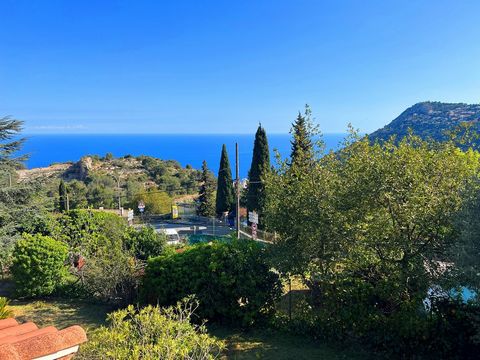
(111, 275)
(87, 230)
(5, 312)
(232, 281)
(38, 265)
(145, 242)
(152, 333)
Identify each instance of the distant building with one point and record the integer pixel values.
(127, 214)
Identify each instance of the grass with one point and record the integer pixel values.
(61, 313)
(266, 345)
(257, 344)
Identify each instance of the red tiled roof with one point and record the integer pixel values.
(26, 341)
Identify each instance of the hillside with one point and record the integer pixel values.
(430, 119)
(95, 181)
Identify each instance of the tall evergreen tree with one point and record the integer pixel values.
(303, 131)
(9, 129)
(206, 197)
(225, 192)
(258, 170)
(62, 194)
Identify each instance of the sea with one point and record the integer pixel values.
(44, 150)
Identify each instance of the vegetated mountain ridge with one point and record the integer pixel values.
(430, 120)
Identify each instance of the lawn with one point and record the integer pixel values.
(242, 346)
(267, 345)
(61, 313)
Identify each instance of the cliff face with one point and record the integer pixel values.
(430, 119)
(81, 169)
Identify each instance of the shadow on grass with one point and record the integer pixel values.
(61, 312)
(270, 344)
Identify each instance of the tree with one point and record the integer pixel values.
(156, 202)
(77, 194)
(258, 171)
(63, 197)
(9, 128)
(303, 131)
(225, 192)
(382, 210)
(17, 201)
(38, 265)
(206, 199)
(466, 252)
(101, 191)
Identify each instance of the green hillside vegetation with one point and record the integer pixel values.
(430, 120)
(94, 182)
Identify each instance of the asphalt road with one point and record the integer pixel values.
(185, 227)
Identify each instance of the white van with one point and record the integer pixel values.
(172, 236)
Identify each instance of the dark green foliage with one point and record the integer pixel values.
(86, 230)
(225, 191)
(369, 229)
(302, 132)
(77, 194)
(38, 265)
(206, 198)
(106, 246)
(101, 191)
(62, 197)
(258, 171)
(145, 242)
(397, 327)
(170, 176)
(9, 128)
(466, 251)
(233, 282)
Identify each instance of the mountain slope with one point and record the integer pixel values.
(430, 119)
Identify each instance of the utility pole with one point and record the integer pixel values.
(119, 196)
(237, 173)
(9, 179)
(117, 178)
(68, 201)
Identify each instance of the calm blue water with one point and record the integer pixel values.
(186, 149)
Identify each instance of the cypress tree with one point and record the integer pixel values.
(302, 147)
(225, 192)
(62, 193)
(206, 198)
(258, 170)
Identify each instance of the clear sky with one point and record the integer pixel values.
(223, 66)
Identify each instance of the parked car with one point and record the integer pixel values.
(172, 236)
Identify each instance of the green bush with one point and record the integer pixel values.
(378, 316)
(145, 242)
(86, 230)
(38, 265)
(233, 282)
(152, 333)
(5, 311)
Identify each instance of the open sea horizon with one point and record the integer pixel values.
(187, 149)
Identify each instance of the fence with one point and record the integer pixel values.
(262, 236)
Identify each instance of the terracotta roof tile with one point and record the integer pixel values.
(17, 330)
(5, 323)
(26, 341)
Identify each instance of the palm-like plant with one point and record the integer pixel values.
(5, 312)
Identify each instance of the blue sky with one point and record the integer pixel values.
(223, 66)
